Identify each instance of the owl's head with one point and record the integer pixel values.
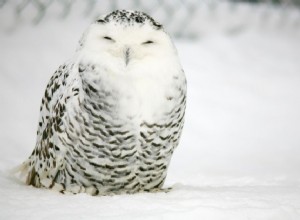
(125, 38)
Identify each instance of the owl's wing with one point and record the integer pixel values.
(53, 93)
(43, 164)
(161, 138)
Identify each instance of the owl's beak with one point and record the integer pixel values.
(127, 55)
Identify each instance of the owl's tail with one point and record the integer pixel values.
(21, 171)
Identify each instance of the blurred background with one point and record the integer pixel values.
(242, 63)
(189, 19)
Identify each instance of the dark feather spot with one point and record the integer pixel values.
(148, 42)
(108, 38)
(81, 69)
(101, 21)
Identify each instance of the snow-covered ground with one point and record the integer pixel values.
(239, 156)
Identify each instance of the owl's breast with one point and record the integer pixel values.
(138, 93)
(147, 99)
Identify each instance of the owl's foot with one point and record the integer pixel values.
(71, 189)
(75, 189)
(166, 190)
(158, 190)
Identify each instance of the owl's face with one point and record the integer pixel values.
(126, 38)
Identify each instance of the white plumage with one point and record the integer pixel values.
(112, 116)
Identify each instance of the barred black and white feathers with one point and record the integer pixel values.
(112, 116)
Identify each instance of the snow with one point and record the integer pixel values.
(239, 156)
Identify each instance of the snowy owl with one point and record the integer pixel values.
(112, 116)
